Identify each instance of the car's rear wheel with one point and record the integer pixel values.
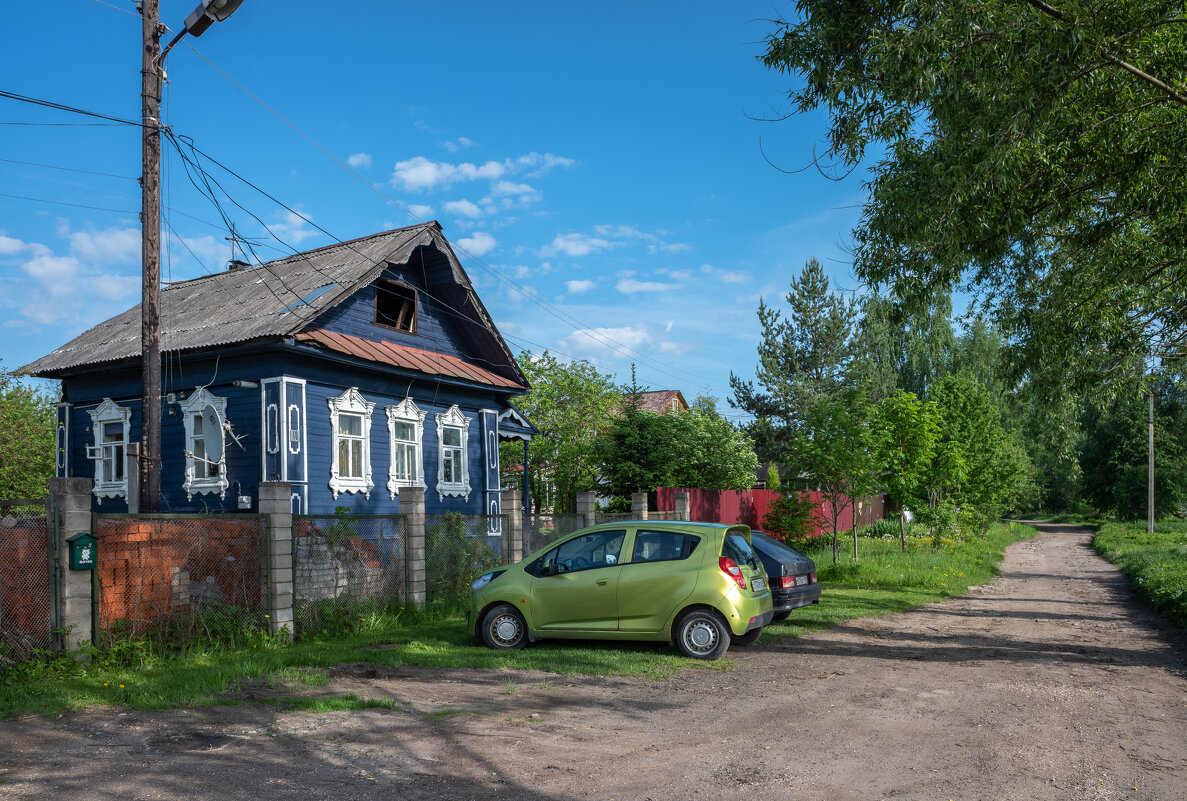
(780, 616)
(503, 628)
(749, 638)
(702, 634)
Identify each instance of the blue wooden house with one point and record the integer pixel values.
(350, 371)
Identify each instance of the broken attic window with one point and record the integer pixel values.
(308, 298)
(395, 306)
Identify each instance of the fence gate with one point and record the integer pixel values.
(28, 606)
(182, 576)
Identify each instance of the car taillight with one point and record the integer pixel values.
(786, 581)
(731, 569)
(811, 578)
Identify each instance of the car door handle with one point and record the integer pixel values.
(602, 582)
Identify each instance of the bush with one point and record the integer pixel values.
(1155, 564)
(792, 518)
(453, 559)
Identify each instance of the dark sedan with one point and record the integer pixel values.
(790, 575)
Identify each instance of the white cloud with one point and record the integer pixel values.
(363, 160)
(111, 286)
(418, 173)
(479, 244)
(679, 275)
(629, 286)
(9, 246)
(672, 247)
(576, 245)
(119, 245)
(578, 286)
(422, 174)
(421, 210)
(464, 208)
(461, 143)
(58, 275)
(291, 228)
(725, 276)
(622, 232)
(598, 341)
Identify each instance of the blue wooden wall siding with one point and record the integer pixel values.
(438, 329)
(310, 379)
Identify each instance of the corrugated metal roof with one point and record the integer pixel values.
(403, 356)
(272, 301)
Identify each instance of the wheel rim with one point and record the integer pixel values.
(506, 629)
(700, 636)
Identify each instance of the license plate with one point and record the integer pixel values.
(758, 585)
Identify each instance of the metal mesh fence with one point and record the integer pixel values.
(26, 603)
(182, 578)
(347, 568)
(544, 529)
(459, 549)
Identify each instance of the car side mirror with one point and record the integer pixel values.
(546, 570)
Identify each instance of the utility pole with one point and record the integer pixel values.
(1150, 475)
(150, 260)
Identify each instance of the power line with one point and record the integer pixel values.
(63, 107)
(69, 169)
(63, 203)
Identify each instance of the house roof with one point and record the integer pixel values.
(273, 301)
(423, 361)
(659, 401)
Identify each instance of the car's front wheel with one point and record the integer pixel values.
(749, 638)
(702, 634)
(503, 628)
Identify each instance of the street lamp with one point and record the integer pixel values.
(209, 11)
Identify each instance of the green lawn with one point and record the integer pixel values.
(1155, 564)
(885, 580)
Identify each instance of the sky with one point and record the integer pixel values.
(604, 170)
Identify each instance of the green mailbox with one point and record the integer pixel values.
(83, 551)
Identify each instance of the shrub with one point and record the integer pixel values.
(792, 518)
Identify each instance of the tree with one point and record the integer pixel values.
(568, 402)
(27, 426)
(1033, 151)
(837, 456)
(709, 452)
(803, 358)
(907, 431)
(636, 453)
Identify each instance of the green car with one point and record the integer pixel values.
(698, 585)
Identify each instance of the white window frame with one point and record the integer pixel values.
(453, 419)
(194, 484)
(109, 412)
(405, 412)
(351, 402)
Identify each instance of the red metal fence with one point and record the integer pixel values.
(750, 506)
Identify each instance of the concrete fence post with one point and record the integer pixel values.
(71, 498)
(587, 507)
(276, 502)
(516, 524)
(412, 506)
(683, 507)
(639, 505)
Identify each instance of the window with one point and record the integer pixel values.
(109, 429)
(453, 434)
(204, 416)
(599, 549)
(661, 546)
(405, 428)
(395, 306)
(350, 426)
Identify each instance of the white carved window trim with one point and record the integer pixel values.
(351, 402)
(194, 483)
(109, 412)
(453, 419)
(405, 412)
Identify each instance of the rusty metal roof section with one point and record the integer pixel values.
(660, 401)
(422, 361)
(273, 301)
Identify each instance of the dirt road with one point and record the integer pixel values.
(1049, 683)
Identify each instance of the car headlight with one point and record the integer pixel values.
(484, 579)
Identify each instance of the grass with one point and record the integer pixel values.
(885, 580)
(1155, 564)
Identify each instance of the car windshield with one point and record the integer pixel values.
(737, 548)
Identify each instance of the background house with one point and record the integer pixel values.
(351, 371)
